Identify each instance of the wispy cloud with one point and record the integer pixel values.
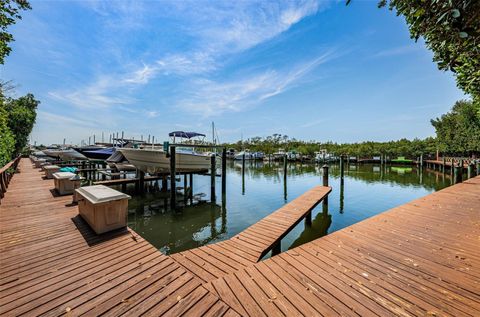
(208, 98)
(401, 50)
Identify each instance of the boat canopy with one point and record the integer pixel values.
(182, 134)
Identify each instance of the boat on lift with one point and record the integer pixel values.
(154, 160)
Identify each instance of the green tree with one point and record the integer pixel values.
(21, 118)
(7, 143)
(458, 131)
(451, 29)
(9, 13)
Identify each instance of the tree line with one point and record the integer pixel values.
(17, 115)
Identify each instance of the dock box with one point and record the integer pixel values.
(38, 162)
(65, 182)
(103, 208)
(50, 169)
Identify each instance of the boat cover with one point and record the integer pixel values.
(182, 134)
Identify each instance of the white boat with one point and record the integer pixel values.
(279, 155)
(155, 160)
(66, 155)
(118, 161)
(248, 156)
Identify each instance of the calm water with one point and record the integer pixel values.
(368, 190)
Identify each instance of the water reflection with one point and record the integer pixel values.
(257, 189)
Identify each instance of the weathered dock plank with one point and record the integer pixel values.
(419, 259)
(249, 246)
(53, 264)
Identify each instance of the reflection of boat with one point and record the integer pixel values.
(401, 170)
(174, 232)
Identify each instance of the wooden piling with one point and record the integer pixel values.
(213, 172)
(421, 160)
(173, 184)
(224, 171)
(141, 182)
(478, 168)
(185, 191)
(470, 171)
(325, 183)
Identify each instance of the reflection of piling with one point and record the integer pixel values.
(285, 168)
(325, 183)
(173, 185)
(191, 188)
(458, 170)
(141, 182)
(342, 170)
(443, 165)
(342, 188)
(213, 172)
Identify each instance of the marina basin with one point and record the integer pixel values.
(103, 208)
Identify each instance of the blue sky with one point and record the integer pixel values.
(310, 69)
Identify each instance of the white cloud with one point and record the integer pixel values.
(401, 50)
(208, 98)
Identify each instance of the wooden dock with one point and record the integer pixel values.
(249, 246)
(53, 264)
(418, 259)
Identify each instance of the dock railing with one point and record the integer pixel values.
(6, 174)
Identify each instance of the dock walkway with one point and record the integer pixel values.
(251, 245)
(418, 259)
(52, 263)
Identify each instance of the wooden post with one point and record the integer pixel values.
(224, 171)
(478, 168)
(469, 171)
(277, 248)
(173, 181)
(243, 173)
(191, 187)
(141, 182)
(421, 160)
(325, 183)
(213, 172)
(185, 192)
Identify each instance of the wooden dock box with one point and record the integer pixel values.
(64, 183)
(38, 162)
(50, 169)
(103, 208)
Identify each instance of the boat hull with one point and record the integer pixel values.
(156, 161)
